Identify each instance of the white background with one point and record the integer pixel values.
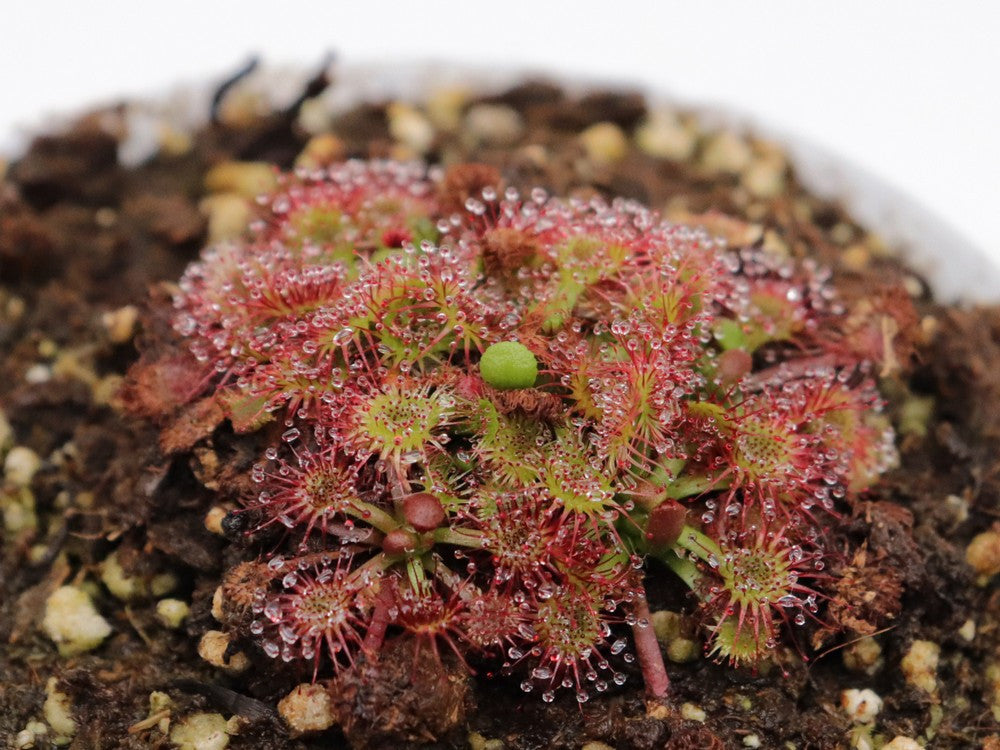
(908, 90)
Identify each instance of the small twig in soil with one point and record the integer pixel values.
(130, 616)
(845, 644)
(314, 86)
(226, 699)
(220, 93)
(149, 722)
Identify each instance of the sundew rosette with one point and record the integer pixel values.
(483, 410)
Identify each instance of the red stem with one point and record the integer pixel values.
(647, 648)
(375, 635)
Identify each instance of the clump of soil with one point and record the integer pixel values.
(89, 249)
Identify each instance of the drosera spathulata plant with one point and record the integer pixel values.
(486, 420)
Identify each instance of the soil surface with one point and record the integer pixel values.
(88, 250)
